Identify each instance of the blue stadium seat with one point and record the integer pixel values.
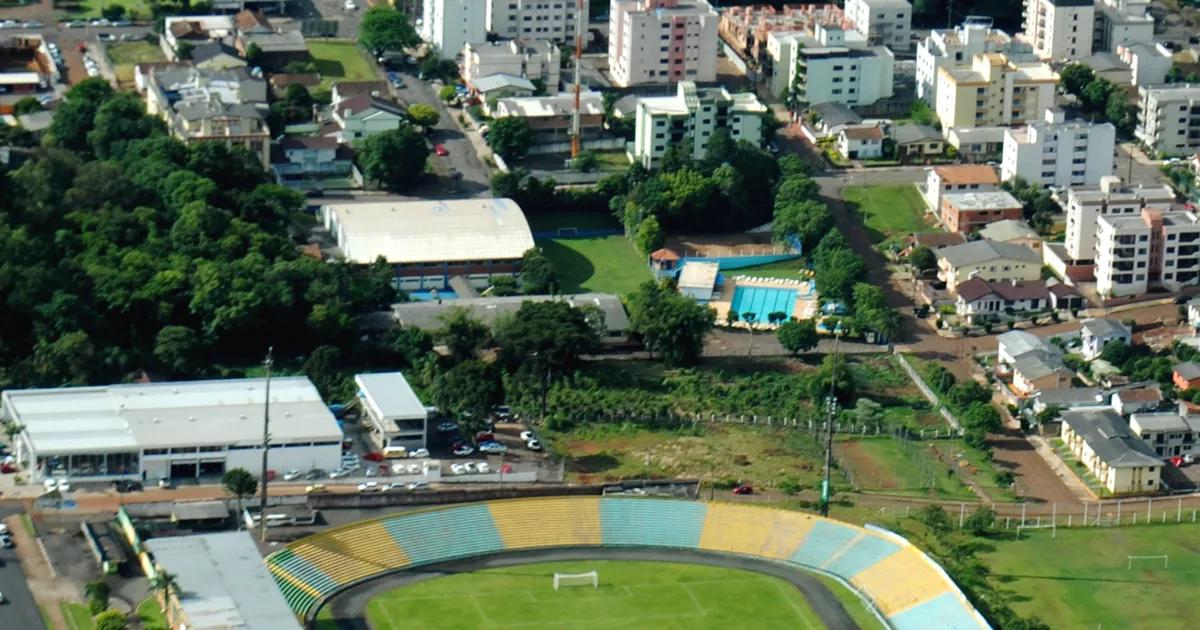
(651, 523)
(825, 540)
(441, 535)
(945, 612)
(300, 568)
(862, 554)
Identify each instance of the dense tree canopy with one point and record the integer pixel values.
(510, 137)
(671, 325)
(395, 159)
(386, 30)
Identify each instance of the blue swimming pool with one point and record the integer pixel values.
(426, 295)
(763, 301)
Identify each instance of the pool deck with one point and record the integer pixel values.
(806, 307)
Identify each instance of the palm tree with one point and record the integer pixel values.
(97, 593)
(165, 585)
(241, 484)
(750, 317)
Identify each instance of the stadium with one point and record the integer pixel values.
(903, 587)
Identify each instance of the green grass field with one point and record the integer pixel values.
(77, 616)
(887, 211)
(134, 9)
(1079, 579)
(897, 466)
(340, 61)
(128, 54)
(788, 269)
(631, 595)
(608, 265)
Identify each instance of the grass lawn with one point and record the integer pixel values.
(788, 269)
(858, 610)
(897, 466)
(887, 211)
(340, 61)
(151, 615)
(1079, 579)
(78, 617)
(134, 9)
(630, 595)
(608, 264)
(581, 220)
(613, 161)
(125, 55)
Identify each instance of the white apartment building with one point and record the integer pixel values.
(662, 41)
(1148, 63)
(1086, 204)
(1152, 249)
(692, 115)
(1055, 152)
(451, 24)
(831, 68)
(534, 19)
(532, 59)
(1060, 30)
(882, 22)
(1169, 119)
(1121, 23)
(993, 91)
(956, 48)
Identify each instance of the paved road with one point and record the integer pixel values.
(463, 153)
(19, 611)
(348, 607)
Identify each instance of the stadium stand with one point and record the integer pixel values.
(906, 588)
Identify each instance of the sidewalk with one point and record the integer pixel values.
(47, 591)
(1060, 468)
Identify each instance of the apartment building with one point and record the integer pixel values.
(956, 48)
(533, 59)
(450, 24)
(1056, 152)
(958, 178)
(969, 211)
(1086, 204)
(1060, 30)
(1122, 23)
(746, 28)
(1108, 448)
(994, 91)
(1170, 433)
(549, 117)
(1169, 119)
(227, 106)
(534, 19)
(1148, 63)
(662, 41)
(692, 115)
(994, 262)
(832, 65)
(1151, 249)
(883, 22)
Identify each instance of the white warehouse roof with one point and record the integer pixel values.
(125, 418)
(430, 231)
(390, 395)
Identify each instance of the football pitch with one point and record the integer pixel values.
(631, 594)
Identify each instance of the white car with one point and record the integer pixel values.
(100, 22)
(389, 487)
(50, 484)
(64, 485)
(419, 453)
(526, 436)
(493, 448)
(349, 5)
(9, 24)
(464, 450)
(458, 469)
(33, 24)
(339, 473)
(533, 444)
(470, 468)
(412, 469)
(164, 482)
(6, 541)
(418, 485)
(291, 475)
(482, 468)
(372, 471)
(447, 427)
(370, 486)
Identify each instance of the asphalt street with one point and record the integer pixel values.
(463, 156)
(18, 609)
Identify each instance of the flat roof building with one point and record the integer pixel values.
(698, 280)
(186, 429)
(223, 583)
(397, 416)
(489, 310)
(430, 241)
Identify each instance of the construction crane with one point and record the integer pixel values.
(580, 30)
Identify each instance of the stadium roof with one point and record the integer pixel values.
(126, 418)
(223, 582)
(431, 231)
(390, 395)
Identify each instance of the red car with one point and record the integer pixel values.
(744, 489)
(440, 149)
(373, 457)
(484, 436)
(8, 468)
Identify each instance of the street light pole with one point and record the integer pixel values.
(831, 407)
(266, 446)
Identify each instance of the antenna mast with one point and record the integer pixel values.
(580, 29)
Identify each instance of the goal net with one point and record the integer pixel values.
(577, 579)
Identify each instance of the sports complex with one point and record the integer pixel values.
(497, 555)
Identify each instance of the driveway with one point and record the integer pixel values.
(20, 611)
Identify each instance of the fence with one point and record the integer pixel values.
(928, 392)
(1018, 517)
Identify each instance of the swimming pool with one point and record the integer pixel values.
(763, 301)
(425, 295)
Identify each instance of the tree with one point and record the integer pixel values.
(120, 120)
(921, 113)
(981, 416)
(97, 592)
(67, 360)
(110, 620)
(980, 521)
(721, 148)
(395, 159)
(422, 115)
(805, 220)
(239, 483)
(166, 586)
(113, 12)
(1120, 112)
(254, 55)
(177, 349)
(837, 369)
(462, 334)
(797, 337)
(386, 30)
(1116, 352)
(545, 339)
(537, 274)
(650, 236)
(510, 137)
(184, 50)
(1074, 77)
(468, 391)
(963, 394)
(321, 367)
(447, 93)
(923, 258)
(837, 273)
(670, 324)
(939, 378)
(75, 116)
(27, 105)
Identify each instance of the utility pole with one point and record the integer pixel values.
(580, 31)
(266, 446)
(831, 407)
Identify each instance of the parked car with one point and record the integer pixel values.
(419, 453)
(339, 473)
(412, 469)
(64, 485)
(440, 149)
(9, 24)
(485, 436)
(76, 24)
(33, 24)
(470, 467)
(370, 486)
(315, 473)
(349, 5)
(493, 448)
(6, 541)
(291, 475)
(101, 22)
(106, 37)
(447, 427)
(458, 469)
(8, 468)
(463, 450)
(1190, 458)
(127, 485)
(527, 435)
(374, 456)
(50, 484)
(744, 489)
(164, 482)
(389, 487)
(533, 444)
(482, 468)
(316, 487)
(418, 485)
